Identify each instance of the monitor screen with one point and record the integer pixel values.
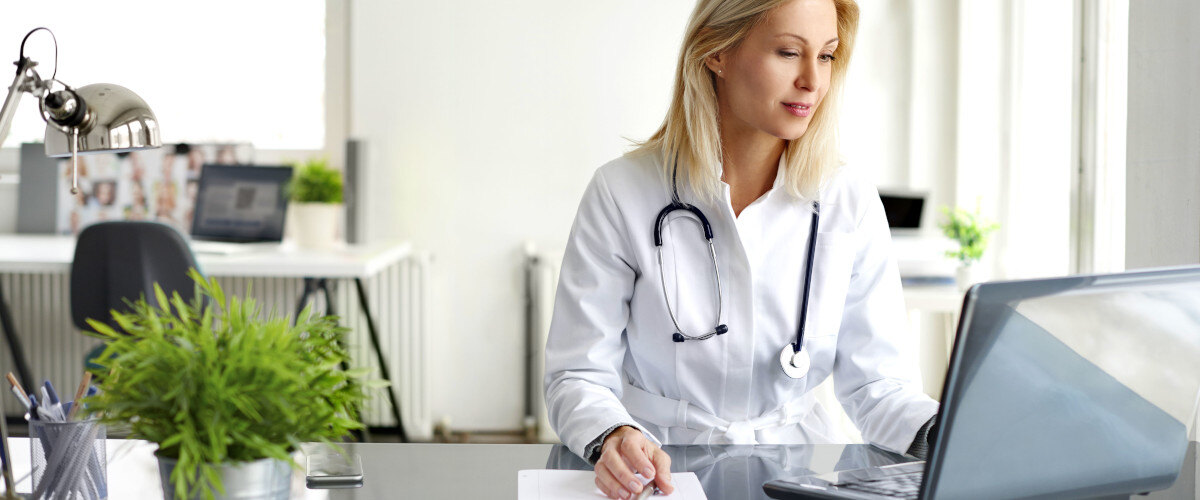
(241, 203)
(903, 211)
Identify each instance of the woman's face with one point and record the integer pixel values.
(776, 78)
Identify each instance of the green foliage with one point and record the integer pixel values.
(971, 230)
(212, 383)
(315, 182)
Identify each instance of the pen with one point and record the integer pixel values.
(33, 407)
(20, 397)
(51, 393)
(647, 491)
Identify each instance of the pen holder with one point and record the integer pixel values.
(69, 460)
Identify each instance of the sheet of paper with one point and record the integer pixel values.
(543, 484)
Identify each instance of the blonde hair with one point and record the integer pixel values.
(690, 133)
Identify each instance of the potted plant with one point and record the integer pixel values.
(316, 194)
(971, 231)
(227, 393)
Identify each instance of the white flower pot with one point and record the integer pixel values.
(266, 479)
(967, 275)
(316, 224)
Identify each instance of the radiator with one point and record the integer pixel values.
(398, 297)
(541, 270)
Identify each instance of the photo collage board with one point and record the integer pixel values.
(152, 185)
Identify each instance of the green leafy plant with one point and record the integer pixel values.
(315, 182)
(212, 382)
(971, 230)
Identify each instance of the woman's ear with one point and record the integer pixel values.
(716, 63)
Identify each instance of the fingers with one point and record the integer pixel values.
(662, 464)
(608, 483)
(636, 449)
(624, 455)
(621, 474)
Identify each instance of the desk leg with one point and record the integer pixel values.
(14, 344)
(383, 367)
(310, 287)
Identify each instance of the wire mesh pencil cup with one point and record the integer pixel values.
(69, 460)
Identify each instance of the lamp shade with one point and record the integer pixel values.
(118, 121)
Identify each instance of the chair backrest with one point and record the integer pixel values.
(115, 261)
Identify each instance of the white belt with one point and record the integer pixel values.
(667, 412)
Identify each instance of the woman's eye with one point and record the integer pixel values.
(790, 54)
(827, 57)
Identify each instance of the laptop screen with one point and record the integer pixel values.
(1070, 386)
(903, 211)
(241, 203)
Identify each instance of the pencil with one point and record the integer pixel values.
(13, 380)
(83, 387)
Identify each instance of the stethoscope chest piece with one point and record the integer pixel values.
(795, 363)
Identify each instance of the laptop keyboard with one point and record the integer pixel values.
(897, 486)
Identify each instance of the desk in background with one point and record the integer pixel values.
(385, 295)
(490, 470)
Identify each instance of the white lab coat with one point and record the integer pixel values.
(610, 358)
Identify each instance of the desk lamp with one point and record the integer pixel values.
(97, 118)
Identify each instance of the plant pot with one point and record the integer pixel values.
(316, 224)
(266, 479)
(967, 275)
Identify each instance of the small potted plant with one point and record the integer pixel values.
(971, 231)
(227, 395)
(316, 195)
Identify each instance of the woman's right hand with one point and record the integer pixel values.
(626, 451)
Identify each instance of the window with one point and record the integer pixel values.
(215, 71)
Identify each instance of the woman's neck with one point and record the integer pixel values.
(750, 164)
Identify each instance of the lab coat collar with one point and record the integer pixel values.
(776, 188)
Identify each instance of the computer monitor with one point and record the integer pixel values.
(903, 209)
(241, 203)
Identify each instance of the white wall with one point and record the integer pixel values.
(1163, 151)
(484, 122)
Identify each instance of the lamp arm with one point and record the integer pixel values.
(21, 83)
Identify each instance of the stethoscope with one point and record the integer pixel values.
(794, 360)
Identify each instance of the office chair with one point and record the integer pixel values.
(119, 261)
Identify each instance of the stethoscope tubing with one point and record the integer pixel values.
(712, 253)
(808, 272)
(721, 328)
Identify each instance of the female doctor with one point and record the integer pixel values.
(719, 272)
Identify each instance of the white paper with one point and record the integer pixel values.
(549, 484)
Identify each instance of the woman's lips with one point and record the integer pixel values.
(800, 109)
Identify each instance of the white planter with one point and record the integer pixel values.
(266, 479)
(316, 224)
(967, 275)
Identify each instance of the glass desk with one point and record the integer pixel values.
(467, 471)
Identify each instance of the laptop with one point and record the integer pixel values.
(1070, 387)
(239, 208)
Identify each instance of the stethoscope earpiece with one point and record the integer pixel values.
(677, 337)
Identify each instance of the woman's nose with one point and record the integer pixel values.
(807, 77)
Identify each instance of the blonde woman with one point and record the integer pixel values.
(659, 338)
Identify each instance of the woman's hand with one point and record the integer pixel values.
(625, 452)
